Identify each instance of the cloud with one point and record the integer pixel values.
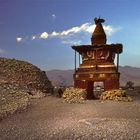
(54, 34)
(33, 37)
(53, 16)
(44, 35)
(110, 30)
(19, 39)
(2, 51)
(74, 35)
(71, 31)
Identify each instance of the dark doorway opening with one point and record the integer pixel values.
(90, 89)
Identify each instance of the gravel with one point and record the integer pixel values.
(51, 119)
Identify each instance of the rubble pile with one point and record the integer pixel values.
(116, 95)
(19, 82)
(74, 95)
(24, 74)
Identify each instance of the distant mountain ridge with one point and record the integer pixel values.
(129, 73)
(65, 77)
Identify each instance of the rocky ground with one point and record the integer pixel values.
(52, 119)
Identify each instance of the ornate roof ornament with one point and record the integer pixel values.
(98, 20)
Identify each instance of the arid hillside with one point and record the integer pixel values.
(65, 77)
(129, 73)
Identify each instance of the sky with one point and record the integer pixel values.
(43, 31)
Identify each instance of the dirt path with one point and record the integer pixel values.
(50, 118)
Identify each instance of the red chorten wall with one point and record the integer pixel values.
(80, 84)
(110, 84)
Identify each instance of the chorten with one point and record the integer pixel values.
(97, 62)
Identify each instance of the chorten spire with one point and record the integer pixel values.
(98, 36)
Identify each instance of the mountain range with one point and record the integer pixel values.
(65, 77)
